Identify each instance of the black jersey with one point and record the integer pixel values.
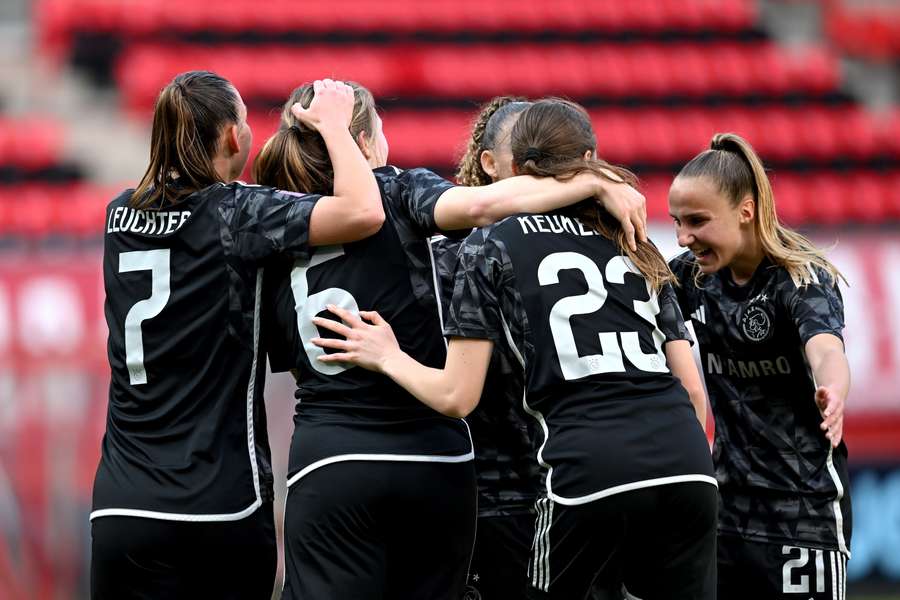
(349, 413)
(501, 431)
(779, 479)
(186, 434)
(590, 333)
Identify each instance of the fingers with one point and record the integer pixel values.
(640, 224)
(348, 317)
(338, 357)
(332, 104)
(372, 317)
(836, 435)
(332, 325)
(628, 228)
(331, 343)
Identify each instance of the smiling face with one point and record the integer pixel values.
(718, 233)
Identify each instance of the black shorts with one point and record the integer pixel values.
(750, 570)
(380, 530)
(659, 541)
(138, 558)
(500, 561)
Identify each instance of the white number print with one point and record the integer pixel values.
(308, 306)
(787, 578)
(157, 262)
(609, 360)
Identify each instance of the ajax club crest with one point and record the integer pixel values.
(756, 324)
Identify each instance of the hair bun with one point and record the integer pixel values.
(724, 142)
(532, 153)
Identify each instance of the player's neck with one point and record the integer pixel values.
(223, 167)
(745, 263)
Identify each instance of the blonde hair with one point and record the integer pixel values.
(550, 139)
(732, 165)
(487, 126)
(295, 158)
(189, 116)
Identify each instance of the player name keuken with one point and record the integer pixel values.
(747, 368)
(129, 220)
(553, 224)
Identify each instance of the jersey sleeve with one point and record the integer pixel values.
(817, 307)
(266, 222)
(446, 258)
(475, 307)
(418, 191)
(670, 319)
(683, 268)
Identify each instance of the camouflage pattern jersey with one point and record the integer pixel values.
(589, 333)
(779, 479)
(501, 431)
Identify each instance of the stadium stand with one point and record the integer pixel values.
(660, 76)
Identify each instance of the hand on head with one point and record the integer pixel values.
(331, 108)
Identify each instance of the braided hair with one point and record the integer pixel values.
(485, 129)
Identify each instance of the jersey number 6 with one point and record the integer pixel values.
(609, 360)
(308, 307)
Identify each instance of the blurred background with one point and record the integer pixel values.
(813, 84)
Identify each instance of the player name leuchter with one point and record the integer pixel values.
(130, 220)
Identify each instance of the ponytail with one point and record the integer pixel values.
(733, 165)
(189, 116)
(550, 139)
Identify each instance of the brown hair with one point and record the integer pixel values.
(485, 131)
(733, 166)
(188, 119)
(295, 158)
(550, 139)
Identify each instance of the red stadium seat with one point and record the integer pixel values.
(30, 142)
(59, 19)
(482, 71)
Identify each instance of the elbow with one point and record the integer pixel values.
(372, 220)
(366, 222)
(698, 397)
(481, 213)
(459, 406)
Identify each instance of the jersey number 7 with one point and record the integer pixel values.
(157, 262)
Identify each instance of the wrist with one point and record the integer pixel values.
(332, 131)
(390, 363)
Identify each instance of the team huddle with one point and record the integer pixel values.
(496, 392)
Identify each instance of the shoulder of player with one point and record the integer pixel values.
(790, 286)
(241, 192)
(389, 177)
(120, 199)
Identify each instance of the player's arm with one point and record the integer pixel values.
(831, 371)
(681, 363)
(355, 210)
(467, 207)
(453, 390)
